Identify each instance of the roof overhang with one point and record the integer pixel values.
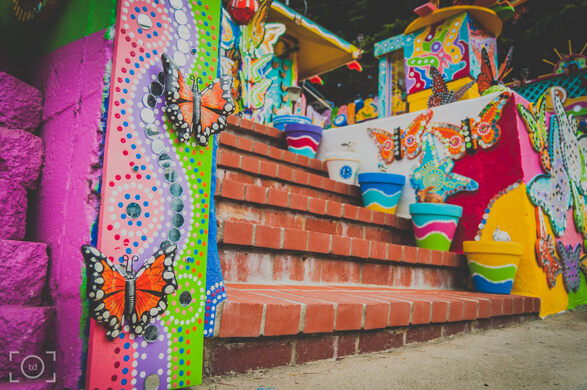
(488, 19)
(320, 50)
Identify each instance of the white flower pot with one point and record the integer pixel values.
(343, 166)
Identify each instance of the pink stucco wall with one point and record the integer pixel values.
(72, 80)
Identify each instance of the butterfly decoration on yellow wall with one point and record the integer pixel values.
(546, 251)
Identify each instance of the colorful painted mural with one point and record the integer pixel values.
(444, 46)
(513, 192)
(156, 194)
(264, 57)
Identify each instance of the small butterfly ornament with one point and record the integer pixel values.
(190, 110)
(119, 296)
(481, 132)
(545, 251)
(571, 259)
(400, 143)
(486, 79)
(440, 92)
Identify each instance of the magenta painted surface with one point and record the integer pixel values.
(72, 81)
(531, 161)
(25, 330)
(494, 169)
(20, 104)
(571, 237)
(21, 157)
(23, 270)
(13, 209)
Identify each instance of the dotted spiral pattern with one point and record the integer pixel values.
(156, 190)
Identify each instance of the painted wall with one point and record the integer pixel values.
(56, 27)
(369, 149)
(513, 186)
(156, 190)
(444, 45)
(72, 78)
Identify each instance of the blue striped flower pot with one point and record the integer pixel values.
(493, 264)
(381, 191)
(435, 224)
(303, 138)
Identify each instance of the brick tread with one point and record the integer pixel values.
(251, 234)
(268, 266)
(279, 310)
(280, 172)
(253, 194)
(247, 126)
(261, 148)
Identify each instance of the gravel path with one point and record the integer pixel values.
(540, 354)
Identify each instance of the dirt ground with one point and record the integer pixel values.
(538, 354)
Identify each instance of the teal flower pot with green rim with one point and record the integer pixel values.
(435, 224)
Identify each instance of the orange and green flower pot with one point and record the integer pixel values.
(493, 264)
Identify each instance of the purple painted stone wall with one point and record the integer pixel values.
(20, 104)
(13, 208)
(72, 80)
(25, 330)
(22, 157)
(23, 272)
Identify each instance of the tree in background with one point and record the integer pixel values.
(547, 24)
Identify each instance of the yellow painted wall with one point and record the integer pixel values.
(419, 100)
(514, 214)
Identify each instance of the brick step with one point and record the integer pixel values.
(262, 326)
(244, 233)
(247, 145)
(253, 310)
(279, 208)
(257, 131)
(287, 267)
(264, 172)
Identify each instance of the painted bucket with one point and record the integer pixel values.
(343, 166)
(303, 138)
(280, 121)
(381, 191)
(493, 264)
(435, 224)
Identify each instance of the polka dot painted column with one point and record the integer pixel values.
(156, 191)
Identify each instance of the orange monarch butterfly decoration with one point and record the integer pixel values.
(486, 78)
(472, 134)
(119, 296)
(400, 143)
(191, 110)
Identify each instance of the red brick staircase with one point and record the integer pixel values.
(312, 275)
